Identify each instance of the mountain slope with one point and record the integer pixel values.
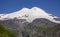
(22, 28)
(29, 15)
(5, 33)
(33, 22)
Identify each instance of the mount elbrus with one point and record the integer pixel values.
(24, 17)
(29, 15)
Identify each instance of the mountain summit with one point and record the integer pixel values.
(29, 15)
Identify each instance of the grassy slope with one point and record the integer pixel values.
(5, 33)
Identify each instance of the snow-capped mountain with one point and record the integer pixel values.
(29, 15)
(31, 21)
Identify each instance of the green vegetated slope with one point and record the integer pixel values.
(5, 33)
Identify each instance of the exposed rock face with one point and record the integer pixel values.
(57, 19)
(24, 28)
(14, 25)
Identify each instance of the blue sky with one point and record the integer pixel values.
(50, 6)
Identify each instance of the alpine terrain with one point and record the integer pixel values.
(33, 22)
